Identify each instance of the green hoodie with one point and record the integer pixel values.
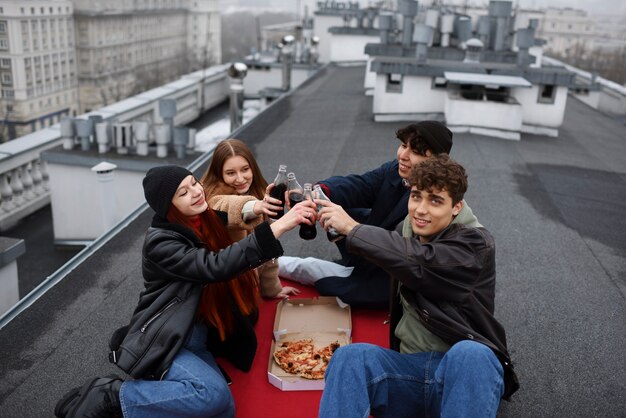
(414, 337)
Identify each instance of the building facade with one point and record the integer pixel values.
(65, 57)
(125, 47)
(37, 65)
(567, 31)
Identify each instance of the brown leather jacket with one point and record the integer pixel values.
(450, 281)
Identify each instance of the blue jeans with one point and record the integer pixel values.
(363, 379)
(192, 387)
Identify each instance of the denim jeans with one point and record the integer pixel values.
(363, 379)
(192, 387)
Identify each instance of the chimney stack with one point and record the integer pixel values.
(237, 72)
(422, 35)
(501, 12)
(408, 10)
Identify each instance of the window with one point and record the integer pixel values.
(3, 26)
(547, 93)
(4, 44)
(439, 83)
(6, 78)
(5, 63)
(394, 83)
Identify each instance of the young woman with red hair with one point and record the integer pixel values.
(199, 302)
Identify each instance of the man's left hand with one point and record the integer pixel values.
(333, 215)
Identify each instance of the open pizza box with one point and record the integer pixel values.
(324, 319)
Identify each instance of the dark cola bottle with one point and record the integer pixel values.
(331, 234)
(279, 189)
(308, 232)
(295, 193)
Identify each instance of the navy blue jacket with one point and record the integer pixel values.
(377, 198)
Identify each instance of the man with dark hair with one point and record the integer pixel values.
(453, 358)
(379, 198)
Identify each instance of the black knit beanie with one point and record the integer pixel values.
(437, 136)
(160, 185)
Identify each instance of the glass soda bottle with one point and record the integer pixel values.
(279, 189)
(308, 232)
(294, 190)
(331, 234)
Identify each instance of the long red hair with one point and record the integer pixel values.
(216, 303)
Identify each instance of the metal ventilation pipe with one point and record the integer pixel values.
(108, 204)
(67, 132)
(314, 53)
(167, 111)
(501, 11)
(287, 53)
(525, 39)
(385, 24)
(432, 20)
(408, 10)
(237, 72)
(371, 15)
(484, 26)
(447, 26)
(421, 35)
(83, 132)
(464, 30)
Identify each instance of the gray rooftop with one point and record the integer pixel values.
(555, 206)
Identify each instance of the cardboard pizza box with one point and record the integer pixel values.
(324, 319)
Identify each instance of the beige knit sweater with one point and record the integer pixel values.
(224, 198)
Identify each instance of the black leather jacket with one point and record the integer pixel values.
(176, 266)
(450, 281)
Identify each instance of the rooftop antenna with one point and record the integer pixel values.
(258, 34)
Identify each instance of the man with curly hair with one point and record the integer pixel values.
(379, 198)
(449, 354)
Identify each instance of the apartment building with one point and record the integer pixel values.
(66, 57)
(567, 31)
(37, 65)
(126, 47)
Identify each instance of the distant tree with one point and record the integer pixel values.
(609, 64)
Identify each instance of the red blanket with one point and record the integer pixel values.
(255, 396)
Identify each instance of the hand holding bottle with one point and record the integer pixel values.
(302, 213)
(269, 205)
(333, 216)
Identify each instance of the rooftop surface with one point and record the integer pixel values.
(554, 205)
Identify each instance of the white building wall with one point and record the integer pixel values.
(483, 114)
(349, 47)
(321, 24)
(258, 79)
(81, 218)
(417, 96)
(541, 114)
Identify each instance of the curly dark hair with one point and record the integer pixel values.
(410, 135)
(440, 172)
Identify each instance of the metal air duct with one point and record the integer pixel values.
(408, 10)
(237, 72)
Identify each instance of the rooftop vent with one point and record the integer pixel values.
(422, 35)
(501, 12)
(408, 10)
(385, 24)
(474, 47)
